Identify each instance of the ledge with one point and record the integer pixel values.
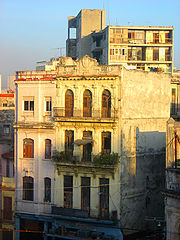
(82, 167)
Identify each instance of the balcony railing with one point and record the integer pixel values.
(80, 114)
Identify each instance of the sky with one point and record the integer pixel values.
(32, 30)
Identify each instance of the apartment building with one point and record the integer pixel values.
(80, 28)
(89, 149)
(172, 189)
(136, 47)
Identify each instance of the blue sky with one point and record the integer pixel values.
(31, 30)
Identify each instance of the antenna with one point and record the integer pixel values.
(60, 49)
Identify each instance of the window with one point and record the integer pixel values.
(5, 105)
(28, 148)
(87, 147)
(28, 188)
(87, 103)
(156, 54)
(173, 101)
(69, 103)
(6, 130)
(106, 104)
(69, 141)
(104, 197)
(47, 189)
(28, 105)
(7, 209)
(7, 168)
(68, 191)
(106, 142)
(85, 193)
(48, 104)
(47, 149)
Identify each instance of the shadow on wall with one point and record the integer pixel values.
(144, 173)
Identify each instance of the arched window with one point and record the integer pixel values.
(47, 149)
(47, 189)
(28, 148)
(69, 103)
(106, 104)
(28, 188)
(87, 103)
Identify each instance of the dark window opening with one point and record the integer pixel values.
(155, 54)
(28, 188)
(106, 142)
(104, 197)
(85, 193)
(28, 105)
(155, 37)
(47, 149)
(68, 191)
(48, 105)
(47, 189)
(87, 148)
(69, 141)
(7, 168)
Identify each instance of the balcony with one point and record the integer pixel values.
(60, 114)
(100, 164)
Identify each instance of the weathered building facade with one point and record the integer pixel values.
(108, 127)
(172, 190)
(7, 188)
(139, 47)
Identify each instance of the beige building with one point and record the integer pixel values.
(135, 129)
(108, 127)
(135, 47)
(172, 190)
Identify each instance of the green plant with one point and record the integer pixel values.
(63, 156)
(106, 159)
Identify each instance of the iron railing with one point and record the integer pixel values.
(91, 114)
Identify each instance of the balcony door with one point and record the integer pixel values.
(87, 103)
(69, 103)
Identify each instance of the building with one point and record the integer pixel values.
(139, 47)
(7, 195)
(7, 185)
(80, 29)
(89, 149)
(47, 65)
(175, 94)
(172, 190)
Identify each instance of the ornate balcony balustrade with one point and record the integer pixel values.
(89, 114)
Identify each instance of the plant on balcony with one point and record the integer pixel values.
(106, 159)
(63, 156)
